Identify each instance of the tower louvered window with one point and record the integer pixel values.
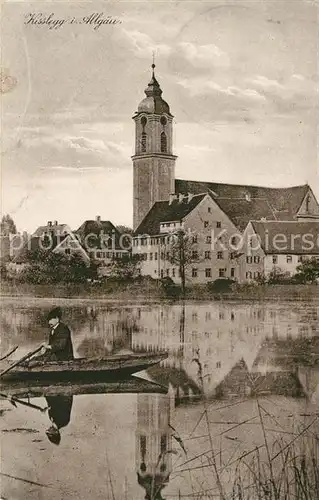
(163, 143)
(143, 142)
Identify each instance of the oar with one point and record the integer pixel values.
(24, 358)
(14, 400)
(9, 353)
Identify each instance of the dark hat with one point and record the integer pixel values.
(54, 435)
(55, 313)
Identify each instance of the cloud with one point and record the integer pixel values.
(143, 45)
(64, 168)
(204, 86)
(266, 83)
(203, 55)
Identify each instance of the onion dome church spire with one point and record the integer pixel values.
(153, 161)
(153, 102)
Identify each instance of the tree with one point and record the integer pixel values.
(126, 237)
(277, 276)
(7, 226)
(182, 254)
(308, 271)
(124, 229)
(126, 268)
(45, 266)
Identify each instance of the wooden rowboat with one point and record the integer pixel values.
(35, 389)
(115, 366)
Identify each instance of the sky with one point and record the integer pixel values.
(241, 79)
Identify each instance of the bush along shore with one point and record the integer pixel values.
(147, 289)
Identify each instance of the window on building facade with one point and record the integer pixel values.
(300, 258)
(173, 272)
(208, 272)
(194, 254)
(219, 255)
(256, 259)
(163, 143)
(218, 224)
(275, 259)
(289, 259)
(98, 255)
(218, 364)
(207, 254)
(68, 251)
(143, 142)
(167, 255)
(208, 239)
(151, 256)
(232, 255)
(162, 255)
(194, 239)
(221, 273)
(249, 259)
(256, 274)
(194, 272)
(233, 241)
(232, 272)
(155, 256)
(209, 210)
(206, 223)
(162, 273)
(167, 272)
(248, 275)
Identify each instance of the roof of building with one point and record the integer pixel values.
(96, 227)
(54, 228)
(99, 228)
(275, 203)
(288, 237)
(240, 211)
(32, 245)
(153, 102)
(164, 211)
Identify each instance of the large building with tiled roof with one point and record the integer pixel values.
(163, 204)
(278, 246)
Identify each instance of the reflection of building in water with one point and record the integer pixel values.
(153, 443)
(217, 335)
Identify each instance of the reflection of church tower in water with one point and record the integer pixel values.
(153, 161)
(153, 443)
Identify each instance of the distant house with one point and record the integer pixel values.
(278, 245)
(102, 242)
(54, 237)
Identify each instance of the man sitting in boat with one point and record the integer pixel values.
(59, 347)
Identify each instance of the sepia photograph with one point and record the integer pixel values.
(159, 250)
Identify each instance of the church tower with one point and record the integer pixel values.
(153, 161)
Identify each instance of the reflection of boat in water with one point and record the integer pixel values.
(118, 365)
(43, 388)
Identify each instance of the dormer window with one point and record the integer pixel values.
(163, 143)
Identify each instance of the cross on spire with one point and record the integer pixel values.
(153, 64)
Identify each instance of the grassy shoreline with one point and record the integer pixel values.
(150, 292)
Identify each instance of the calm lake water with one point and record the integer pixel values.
(240, 388)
